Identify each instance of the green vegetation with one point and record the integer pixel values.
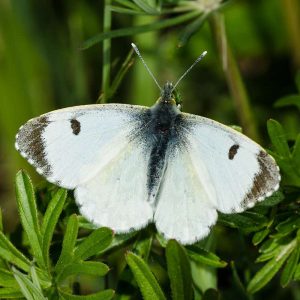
(55, 54)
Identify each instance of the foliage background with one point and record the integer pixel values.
(53, 54)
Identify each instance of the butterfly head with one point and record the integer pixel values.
(169, 95)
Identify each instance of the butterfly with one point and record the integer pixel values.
(132, 165)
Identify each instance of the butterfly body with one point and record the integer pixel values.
(132, 165)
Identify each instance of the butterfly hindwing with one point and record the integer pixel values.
(185, 210)
(116, 196)
(69, 146)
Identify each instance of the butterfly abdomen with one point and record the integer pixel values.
(161, 135)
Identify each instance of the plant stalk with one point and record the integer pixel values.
(233, 77)
(291, 10)
(106, 52)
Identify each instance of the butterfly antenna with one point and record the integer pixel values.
(190, 68)
(147, 68)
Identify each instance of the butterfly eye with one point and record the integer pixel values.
(75, 125)
(233, 151)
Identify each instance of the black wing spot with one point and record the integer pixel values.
(75, 125)
(233, 151)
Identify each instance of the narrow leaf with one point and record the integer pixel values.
(290, 268)
(28, 214)
(191, 29)
(288, 225)
(7, 279)
(211, 294)
(205, 257)
(128, 11)
(127, 4)
(96, 242)
(296, 155)
(297, 80)
(179, 271)
(259, 236)
(1, 220)
(10, 293)
(247, 221)
(90, 268)
(146, 7)
(50, 219)
(11, 254)
(68, 245)
(278, 138)
(275, 199)
(28, 289)
(139, 29)
(146, 281)
(288, 101)
(269, 270)
(34, 277)
(103, 295)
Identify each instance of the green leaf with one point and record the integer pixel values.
(191, 29)
(1, 220)
(28, 289)
(34, 277)
(120, 240)
(127, 4)
(122, 10)
(205, 257)
(139, 29)
(143, 244)
(296, 155)
(211, 294)
(278, 138)
(260, 235)
(7, 279)
(68, 245)
(143, 5)
(10, 293)
(11, 254)
(273, 200)
(102, 295)
(96, 242)
(179, 271)
(297, 80)
(288, 101)
(287, 167)
(290, 267)
(28, 214)
(247, 221)
(146, 281)
(89, 267)
(50, 219)
(268, 271)
(288, 225)
(297, 272)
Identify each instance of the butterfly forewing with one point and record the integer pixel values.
(69, 146)
(240, 171)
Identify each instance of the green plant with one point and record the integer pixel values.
(55, 253)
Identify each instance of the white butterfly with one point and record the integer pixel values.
(132, 165)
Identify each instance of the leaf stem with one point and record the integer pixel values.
(233, 76)
(291, 10)
(106, 51)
